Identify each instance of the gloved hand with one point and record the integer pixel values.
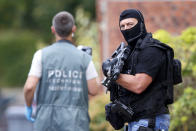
(107, 67)
(28, 113)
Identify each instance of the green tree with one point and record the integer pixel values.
(36, 15)
(184, 112)
(11, 13)
(16, 52)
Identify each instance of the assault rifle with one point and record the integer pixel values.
(117, 113)
(113, 66)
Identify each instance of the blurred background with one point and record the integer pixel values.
(25, 28)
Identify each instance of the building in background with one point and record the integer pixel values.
(171, 15)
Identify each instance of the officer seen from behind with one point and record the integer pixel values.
(63, 77)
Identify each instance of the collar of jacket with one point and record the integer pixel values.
(146, 41)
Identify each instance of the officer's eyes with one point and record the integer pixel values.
(122, 26)
(129, 24)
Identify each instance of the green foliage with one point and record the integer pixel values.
(189, 36)
(10, 13)
(184, 112)
(37, 14)
(163, 36)
(43, 13)
(16, 51)
(86, 35)
(187, 41)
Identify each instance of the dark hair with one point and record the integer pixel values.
(63, 23)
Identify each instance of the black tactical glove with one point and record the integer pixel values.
(107, 67)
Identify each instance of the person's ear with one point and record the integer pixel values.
(74, 29)
(53, 30)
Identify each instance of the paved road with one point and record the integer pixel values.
(13, 118)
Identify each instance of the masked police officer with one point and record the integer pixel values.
(142, 77)
(66, 75)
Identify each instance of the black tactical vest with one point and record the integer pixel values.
(152, 101)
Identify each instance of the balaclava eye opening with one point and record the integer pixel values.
(138, 30)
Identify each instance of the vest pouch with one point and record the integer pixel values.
(123, 110)
(177, 76)
(113, 117)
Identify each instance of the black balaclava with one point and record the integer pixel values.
(136, 32)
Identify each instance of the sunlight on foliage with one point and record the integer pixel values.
(87, 35)
(184, 111)
(189, 35)
(163, 36)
